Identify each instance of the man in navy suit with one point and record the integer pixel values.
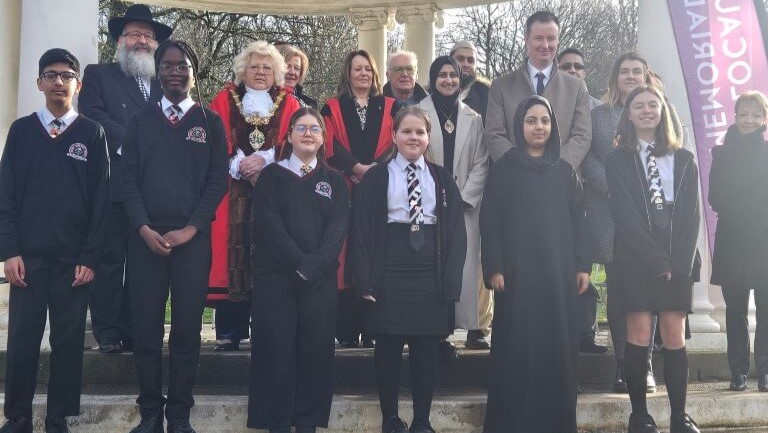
(111, 94)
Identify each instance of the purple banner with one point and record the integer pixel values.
(722, 54)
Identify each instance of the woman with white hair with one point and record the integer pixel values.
(255, 109)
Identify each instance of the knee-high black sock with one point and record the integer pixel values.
(635, 374)
(676, 378)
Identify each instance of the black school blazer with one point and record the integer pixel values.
(634, 243)
(369, 231)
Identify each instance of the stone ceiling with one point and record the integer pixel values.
(306, 7)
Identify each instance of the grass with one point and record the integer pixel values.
(598, 279)
(207, 313)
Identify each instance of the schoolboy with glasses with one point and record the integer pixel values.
(54, 196)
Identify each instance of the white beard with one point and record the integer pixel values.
(135, 63)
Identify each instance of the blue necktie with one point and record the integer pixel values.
(539, 83)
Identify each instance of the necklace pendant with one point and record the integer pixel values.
(449, 127)
(257, 139)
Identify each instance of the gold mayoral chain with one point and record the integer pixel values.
(256, 138)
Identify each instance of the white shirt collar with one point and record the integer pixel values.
(256, 92)
(47, 117)
(532, 71)
(185, 105)
(402, 163)
(643, 145)
(296, 163)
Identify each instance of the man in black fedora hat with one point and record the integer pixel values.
(111, 94)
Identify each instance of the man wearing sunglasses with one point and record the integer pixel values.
(402, 73)
(571, 61)
(111, 94)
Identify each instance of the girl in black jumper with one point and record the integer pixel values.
(653, 187)
(737, 192)
(174, 176)
(408, 245)
(301, 211)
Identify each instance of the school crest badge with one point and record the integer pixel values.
(196, 134)
(78, 151)
(324, 189)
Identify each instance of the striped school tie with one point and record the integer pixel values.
(416, 238)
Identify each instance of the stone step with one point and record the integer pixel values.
(709, 404)
(354, 369)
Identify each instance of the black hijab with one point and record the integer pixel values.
(448, 104)
(519, 153)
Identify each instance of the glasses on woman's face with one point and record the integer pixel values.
(51, 76)
(167, 68)
(313, 129)
(263, 69)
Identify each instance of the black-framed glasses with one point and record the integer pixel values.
(568, 66)
(313, 129)
(51, 76)
(167, 68)
(135, 36)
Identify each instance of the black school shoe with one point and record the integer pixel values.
(682, 423)
(421, 429)
(738, 382)
(17, 425)
(641, 423)
(476, 340)
(394, 425)
(56, 424)
(447, 351)
(180, 425)
(762, 383)
(151, 422)
(589, 346)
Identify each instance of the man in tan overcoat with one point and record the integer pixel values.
(539, 75)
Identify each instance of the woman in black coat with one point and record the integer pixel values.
(737, 192)
(537, 260)
(653, 187)
(408, 245)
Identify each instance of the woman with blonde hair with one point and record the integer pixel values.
(359, 122)
(297, 65)
(255, 109)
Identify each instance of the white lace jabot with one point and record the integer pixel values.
(257, 102)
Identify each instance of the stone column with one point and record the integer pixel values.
(10, 38)
(372, 25)
(654, 25)
(420, 22)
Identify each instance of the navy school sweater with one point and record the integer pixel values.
(301, 222)
(174, 175)
(54, 192)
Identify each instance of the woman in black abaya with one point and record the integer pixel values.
(535, 257)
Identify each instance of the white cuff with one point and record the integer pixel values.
(234, 164)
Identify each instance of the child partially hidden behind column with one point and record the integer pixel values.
(408, 247)
(54, 195)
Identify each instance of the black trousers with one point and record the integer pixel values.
(423, 357)
(49, 290)
(292, 350)
(185, 271)
(351, 317)
(736, 310)
(232, 320)
(110, 304)
(586, 305)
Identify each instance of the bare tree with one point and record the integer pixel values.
(602, 29)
